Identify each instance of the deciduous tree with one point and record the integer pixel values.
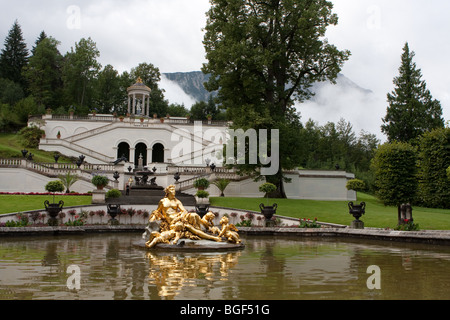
(264, 55)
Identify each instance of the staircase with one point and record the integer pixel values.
(149, 196)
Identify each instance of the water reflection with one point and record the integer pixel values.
(269, 268)
(173, 273)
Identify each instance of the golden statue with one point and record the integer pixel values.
(229, 231)
(174, 222)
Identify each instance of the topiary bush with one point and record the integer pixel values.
(113, 194)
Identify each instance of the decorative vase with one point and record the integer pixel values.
(113, 211)
(357, 210)
(201, 210)
(268, 211)
(53, 209)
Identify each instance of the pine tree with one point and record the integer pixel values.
(14, 56)
(42, 37)
(412, 110)
(43, 73)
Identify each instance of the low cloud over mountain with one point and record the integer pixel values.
(345, 99)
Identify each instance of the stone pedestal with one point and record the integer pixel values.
(357, 224)
(270, 223)
(98, 197)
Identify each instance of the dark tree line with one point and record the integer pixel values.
(43, 78)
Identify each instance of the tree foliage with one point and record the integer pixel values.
(434, 160)
(79, 72)
(14, 56)
(30, 136)
(264, 55)
(412, 110)
(43, 73)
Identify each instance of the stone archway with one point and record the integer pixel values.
(123, 150)
(158, 153)
(141, 149)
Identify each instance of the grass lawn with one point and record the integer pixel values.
(10, 147)
(377, 215)
(21, 203)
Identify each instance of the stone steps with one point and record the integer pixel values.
(142, 196)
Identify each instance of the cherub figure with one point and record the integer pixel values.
(229, 231)
(175, 233)
(208, 224)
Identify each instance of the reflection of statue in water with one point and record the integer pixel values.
(173, 275)
(172, 222)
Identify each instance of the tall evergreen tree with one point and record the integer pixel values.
(42, 36)
(44, 73)
(412, 110)
(14, 56)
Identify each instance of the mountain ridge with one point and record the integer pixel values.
(192, 83)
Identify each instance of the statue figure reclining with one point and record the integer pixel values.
(171, 222)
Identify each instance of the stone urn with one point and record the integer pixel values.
(201, 210)
(113, 211)
(357, 211)
(53, 209)
(268, 211)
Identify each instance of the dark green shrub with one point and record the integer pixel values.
(202, 194)
(201, 183)
(395, 170)
(113, 193)
(434, 161)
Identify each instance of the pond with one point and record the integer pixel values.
(109, 267)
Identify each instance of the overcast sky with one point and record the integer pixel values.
(168, 34)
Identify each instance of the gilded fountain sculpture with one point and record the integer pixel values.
(171, 226)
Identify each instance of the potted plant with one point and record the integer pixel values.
(268, 211)
(54, 209)
(202, 194)
(202, 198)
(221, 184)
(201, 184)
(58, 135)
(100, 181)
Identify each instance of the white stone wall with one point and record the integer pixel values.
(22, 180)
(184, 144)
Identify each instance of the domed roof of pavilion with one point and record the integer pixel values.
(139, 85)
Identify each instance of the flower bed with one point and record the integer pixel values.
(43, 194)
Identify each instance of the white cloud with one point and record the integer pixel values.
(174, 93)
(169, 35)
(333, 102)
